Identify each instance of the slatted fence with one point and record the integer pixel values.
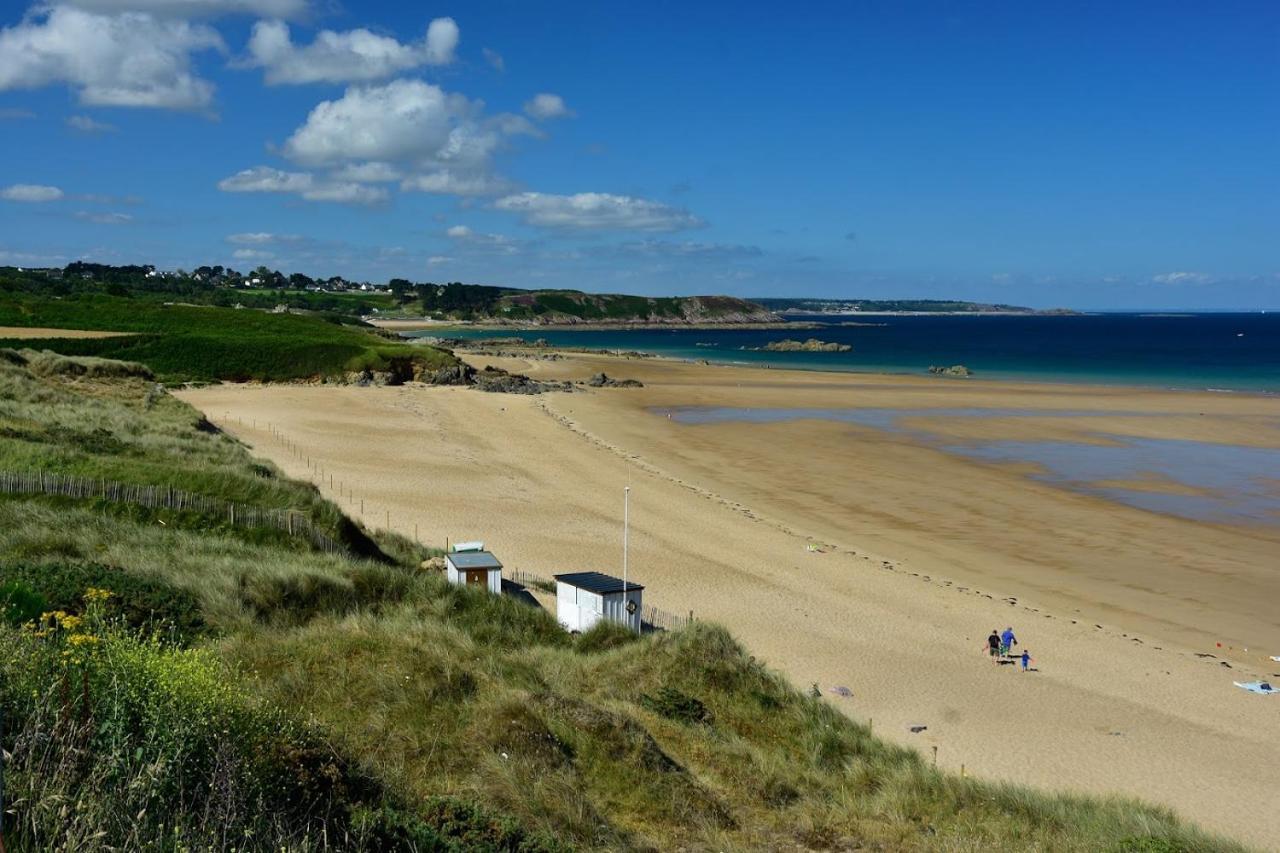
(293, 522)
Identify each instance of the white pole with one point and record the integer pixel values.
(626, 524)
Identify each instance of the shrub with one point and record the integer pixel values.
(19, 603)
(604, 636)
(141, 602)
(674, 705)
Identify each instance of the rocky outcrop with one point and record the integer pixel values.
(496, 381)
(453, 374)
(603, 380)
(811, 345)
(958, 371)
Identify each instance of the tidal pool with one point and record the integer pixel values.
(1224, 483)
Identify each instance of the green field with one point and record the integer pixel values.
(204, 343)
(237, 689)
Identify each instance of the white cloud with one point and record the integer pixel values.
(437, 260)
(30, 192)
(103, 218)
(403, 120)
(448, 182)
(597, 211)
(369, 173)
(442, 41)
(336, 57)
(346, 192)
(686, 249)
(1184, 278)
(127, 60)
(197, 8)
(85, 124)
(251, 255)
(264, 179)
(431, 140)
(11, 114)
(545, 105)
(495, 59)
(260, 238)
(489, 243)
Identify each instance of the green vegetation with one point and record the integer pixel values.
(201, 343)
(245, 691)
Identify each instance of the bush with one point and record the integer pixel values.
(674, 705)
(604, 636)
(141, 602)
(19, 604)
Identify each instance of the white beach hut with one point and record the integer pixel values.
(475, 568)
(584, 598)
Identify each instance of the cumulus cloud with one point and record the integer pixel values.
(431, 140)
(597, 211)
(545, 105)
(252, 255)
(1184, 278)
(264, 179)
(128, 60)
(197, 8)
(337, 57)
(31, 193)
(85, 124)
(442, 41)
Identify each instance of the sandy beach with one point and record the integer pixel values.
(919, 553)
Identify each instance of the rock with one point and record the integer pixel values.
(454, 374)
(915, 730)
(433, 564)
(811, 345)
(497, 381)
(603, 380)
(957, 370)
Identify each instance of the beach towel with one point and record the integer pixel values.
(1262, 688)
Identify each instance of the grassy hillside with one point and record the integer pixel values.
(190, 342)
(200, 685)
(928, 306)
(573, 306)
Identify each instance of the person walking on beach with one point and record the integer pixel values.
(993, 646)
(1007, 641)
(1026, 659)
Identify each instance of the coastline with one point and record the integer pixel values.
(921, 553)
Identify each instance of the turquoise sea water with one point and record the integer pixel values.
(1239, 352)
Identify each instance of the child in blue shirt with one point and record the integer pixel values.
(1026, 659)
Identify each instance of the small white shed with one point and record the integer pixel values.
(475, 568)
(584, 598)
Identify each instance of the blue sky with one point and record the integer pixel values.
(1087, 155)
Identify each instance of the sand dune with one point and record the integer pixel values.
(925, 552)
(35, 333)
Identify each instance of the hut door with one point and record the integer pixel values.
(477, 578)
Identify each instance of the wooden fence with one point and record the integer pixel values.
(293, 522)
(651, 618)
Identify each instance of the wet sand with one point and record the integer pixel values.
(925, 552)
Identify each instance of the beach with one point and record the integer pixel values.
(852, 556)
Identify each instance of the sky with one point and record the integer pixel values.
(1085, 155)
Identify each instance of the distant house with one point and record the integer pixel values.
(584, 598)
(474, 568)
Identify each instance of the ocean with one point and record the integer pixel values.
(1229, 352)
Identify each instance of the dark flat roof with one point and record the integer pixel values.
(473, 560)
(596, 582)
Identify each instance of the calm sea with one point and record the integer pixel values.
(1195, 351)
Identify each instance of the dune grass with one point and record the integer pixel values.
(316, 701)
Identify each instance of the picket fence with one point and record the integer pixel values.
(653, 618)
(292, 522)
